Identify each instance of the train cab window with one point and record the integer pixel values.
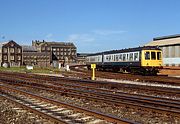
(147, 55)
(153, 55)
(158, 55)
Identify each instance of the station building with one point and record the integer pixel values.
(170, 46)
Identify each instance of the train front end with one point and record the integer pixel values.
(151, 60)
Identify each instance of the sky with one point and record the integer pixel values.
(92, 25)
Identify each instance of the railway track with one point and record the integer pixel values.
(88, 84)
(164, 79)
(57, 111)
(84, 89)
(155, 103)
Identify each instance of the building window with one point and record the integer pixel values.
(5, 57)
(12, 44)
(11, 57)
(19, 57)
(19, 50)
(11, 50)
(4, 50)
(54, 53)
(43, 48)
(54, 49)
(48, 48)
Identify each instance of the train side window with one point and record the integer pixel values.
(158, 55)
(120, 57)
(147, 55)
(107, 57)
(124, 57)
(127, 57)
(153, 55)
(116, 57)
(131, 57)
(135, 56)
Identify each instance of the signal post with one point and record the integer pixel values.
(93, 66)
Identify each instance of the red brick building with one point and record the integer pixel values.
(10, 54)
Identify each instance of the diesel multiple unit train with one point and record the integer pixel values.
(140, 60)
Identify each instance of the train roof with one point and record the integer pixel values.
(127, 50)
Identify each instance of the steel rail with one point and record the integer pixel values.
(50, 117)
(110, 99)
(165, 90)
(86, 82)
(90, 112)
(109, 94)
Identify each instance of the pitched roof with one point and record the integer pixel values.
(7, 42)
(53, 43)
(164, 41)
(166, 37)
(29, 48)
(3, 43)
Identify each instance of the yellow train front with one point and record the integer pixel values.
(151, 60)
(140, 60)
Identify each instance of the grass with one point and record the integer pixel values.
(35, 70)
(13, 69)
